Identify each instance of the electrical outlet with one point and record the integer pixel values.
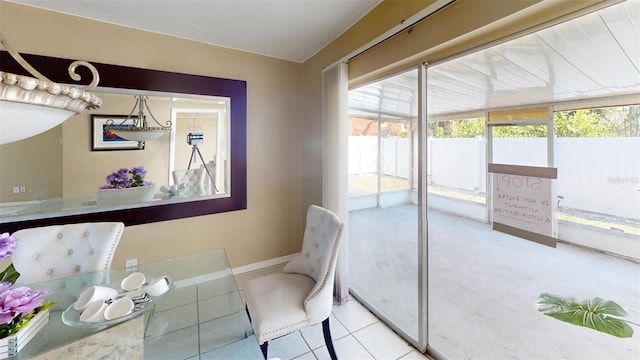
(131, 263)
(16, 189)
(23, 189)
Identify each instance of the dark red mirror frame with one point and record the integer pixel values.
(113, 76)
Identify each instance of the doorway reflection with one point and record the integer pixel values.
(199, 140)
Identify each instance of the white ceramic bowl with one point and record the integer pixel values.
(93, 294)
(94, 312)
(133, 281)
(118, 308)
(158, 286)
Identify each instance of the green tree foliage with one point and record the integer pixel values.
(584, 123)
(526, 131)
(467, 128)
(621, 121)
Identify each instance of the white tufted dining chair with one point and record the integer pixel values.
(302, 295)
(193, 181)
(51, 252)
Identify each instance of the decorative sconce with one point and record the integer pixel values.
(140, 131)
(33, 105)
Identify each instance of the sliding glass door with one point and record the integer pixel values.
(457, 286)
(488, 290)
(384, 261)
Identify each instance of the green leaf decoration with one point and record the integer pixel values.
(10, 274)
(596, 314)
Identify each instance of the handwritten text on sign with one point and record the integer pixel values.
(523, 202)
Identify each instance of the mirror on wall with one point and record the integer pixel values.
(198, 141)
(197, 168)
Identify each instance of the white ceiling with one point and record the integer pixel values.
(597, 55)
(287, 29)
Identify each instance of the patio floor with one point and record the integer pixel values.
(483, 286)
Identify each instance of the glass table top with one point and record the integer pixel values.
(201, 316)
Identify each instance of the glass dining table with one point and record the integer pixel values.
(202, 316)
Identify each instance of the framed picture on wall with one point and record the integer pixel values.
(104, 139)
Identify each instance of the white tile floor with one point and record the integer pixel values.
(357, 334)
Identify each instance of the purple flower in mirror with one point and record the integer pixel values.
(137, 176)
(125, 178)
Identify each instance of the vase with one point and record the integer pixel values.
(125, 196)
(11, 345)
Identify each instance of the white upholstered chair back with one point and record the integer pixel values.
(317, 260)
(52, 252)
(191, 181)
(302, 295)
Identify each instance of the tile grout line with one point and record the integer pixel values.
(308, 345)
(352, 333)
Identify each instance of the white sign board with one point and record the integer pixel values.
(523, 202)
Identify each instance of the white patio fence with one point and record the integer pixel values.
(594, 174)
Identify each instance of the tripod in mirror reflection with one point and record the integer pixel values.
(194, 139)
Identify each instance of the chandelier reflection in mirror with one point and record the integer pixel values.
(32, 105)
(136, 127)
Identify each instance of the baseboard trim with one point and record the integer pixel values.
(262, 264)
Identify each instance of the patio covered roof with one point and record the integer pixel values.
(593, 56)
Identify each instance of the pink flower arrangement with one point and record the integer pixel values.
(17, 305)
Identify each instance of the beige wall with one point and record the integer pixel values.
(41, 154)
(272, 225)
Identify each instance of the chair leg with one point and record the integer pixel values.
(327, 339)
